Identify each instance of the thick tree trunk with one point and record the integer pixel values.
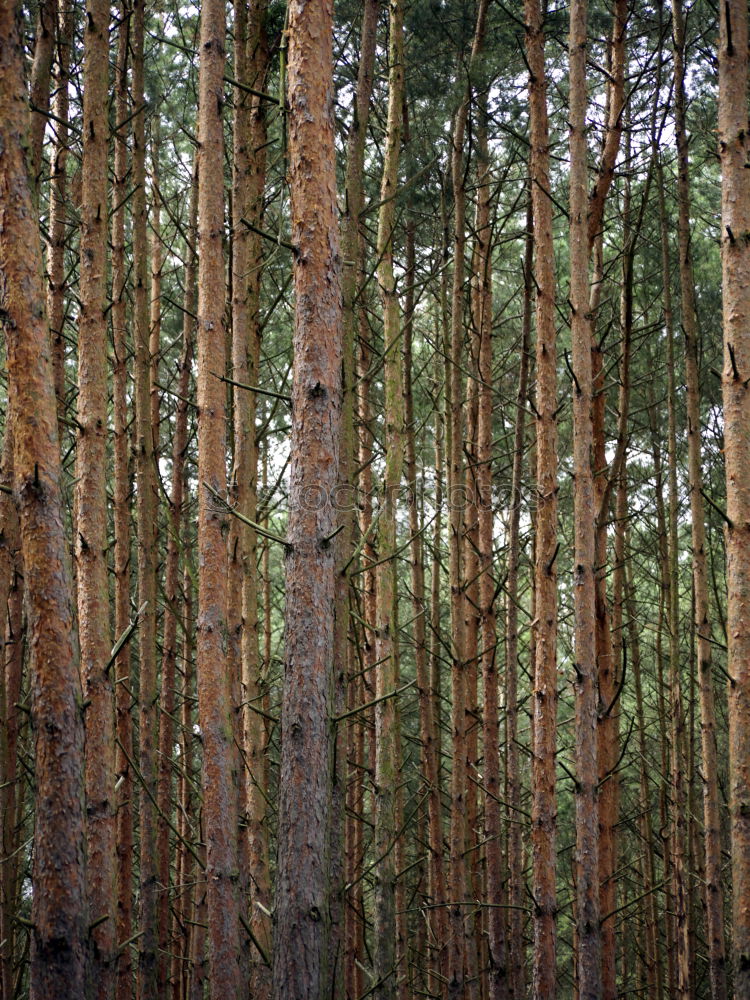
(91, 508)
(59, 937)
(302, 890)
(734, 141)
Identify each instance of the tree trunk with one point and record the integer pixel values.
(587, 846)
(302, 890)
(734, 141)
(91, 507)
(544, 808)
(59, 913)
(58, 200)
(214, 686)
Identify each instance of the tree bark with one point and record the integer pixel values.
(91, 507)
(302, 890)
(734, 141)
(59, 911)
(588, 959)
(214, 686)
(544, 806)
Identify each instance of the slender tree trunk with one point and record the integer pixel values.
(59, 911)
(735, 197)
(353, 280)
(456, 957)
(678, 827)
(251, 65)
(713, 893)
(387, 764)
(544, 808)
(516, 888)
(302, 890)
(146, 506)
(91, 507)
(498, 964)
(58, 199)
(41, 69)
(121, 515)
(214, 686)
(587, 848)
(173, 591)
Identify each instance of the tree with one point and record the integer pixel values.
(302, 892)
(59, 908)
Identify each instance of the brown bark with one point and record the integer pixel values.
(588, 958)
(544, 808)
(735, 219)
(247, 336)
(146, 507)
(40, 83)
(121, 515)
(10, 688)
(302, 889)
(91, 507)
(58, 199)
(214, 685)
(59, 911)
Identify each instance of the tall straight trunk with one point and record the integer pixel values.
(498, 963)
(387, 764)
(172, 589)
(214, 686)
(456, 957)
(588, 957)
(11, 669)
(302, 889)
(515, 945)
(436, 844)
(678, 825)
(41, 69)
(713, 892)
(59, 913)
(188, 870)
(544, 808)
(146, 507)
(91, 507)
(58, 206)
(735, 218)
(251, 65)
(353, 279)
(121, 516)
(654, 964)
